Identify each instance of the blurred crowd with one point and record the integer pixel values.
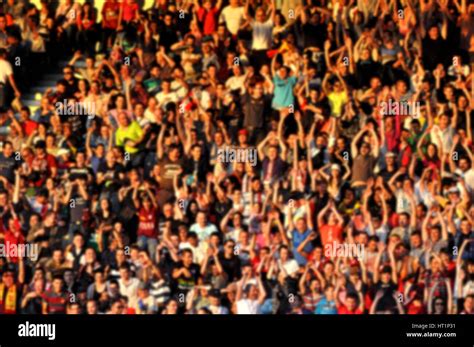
(237, 157)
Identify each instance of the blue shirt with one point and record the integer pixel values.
(298, 239)
(326, 307)
(283, 92)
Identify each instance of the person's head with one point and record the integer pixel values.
(3, 25)
(57, 284)
(329, 293)
(284, 253)
(187, 257)
(117, 306)
(444, 121)
(365, 149)
(433, 32)
(257, 90)
(465, 226)
(372, 243)
(99, 276)
(283, 72)
(196, 152)
(365, 54)
(229, 247)
(332, 219)
(146, 203)
(469, 303)
(172, 307)
(123, 119)
(272, 152)
(351, 302)
(38, 285)
(237, 220)
(252, 292)
(168, 19)
(68, 72)
(415, 239)
(78, 240)
(215, 298)
(301, 225)
(335, 170)
(8, 278)
(243, 136)
(125, 272)
(91, 307)
(58, 255)
(143, 291)
(7, 149)
(439, 306)
(260, 15)
(168, 210)
(404, 219)
(201, 218)
(68, 277)
(207, 4)
(432, 151)
(390, 159)
(173, 153)
(464, 164)
(435, 233)
(73, 308)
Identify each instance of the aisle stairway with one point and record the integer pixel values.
(32, 98)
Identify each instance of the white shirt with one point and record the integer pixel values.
(442, 138)
(150, 116)
(469, 178)
(178, 88)
(247, 306)
(198, 252)
(5, 70)
(130, 290)
(262, 34)
(218, 309)
(205, 232)
(290, 266)
(163, 98)
(236, 82)
(233, 18)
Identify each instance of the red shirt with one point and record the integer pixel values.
(129, 11)
(29, 127)
(330, 234)
(12, 239)
(110, 13)
(147, 222)
(44, 166)
(343, 310)
(86, 23)
(208, 20)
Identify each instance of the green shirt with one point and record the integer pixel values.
(133, 133)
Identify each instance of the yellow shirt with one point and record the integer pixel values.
(133, 133)
(337, 101)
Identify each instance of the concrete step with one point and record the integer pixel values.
(32, 99)
(52, 77)
(80, 64)
(30, 103)
(40, 89)
(46, 83)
